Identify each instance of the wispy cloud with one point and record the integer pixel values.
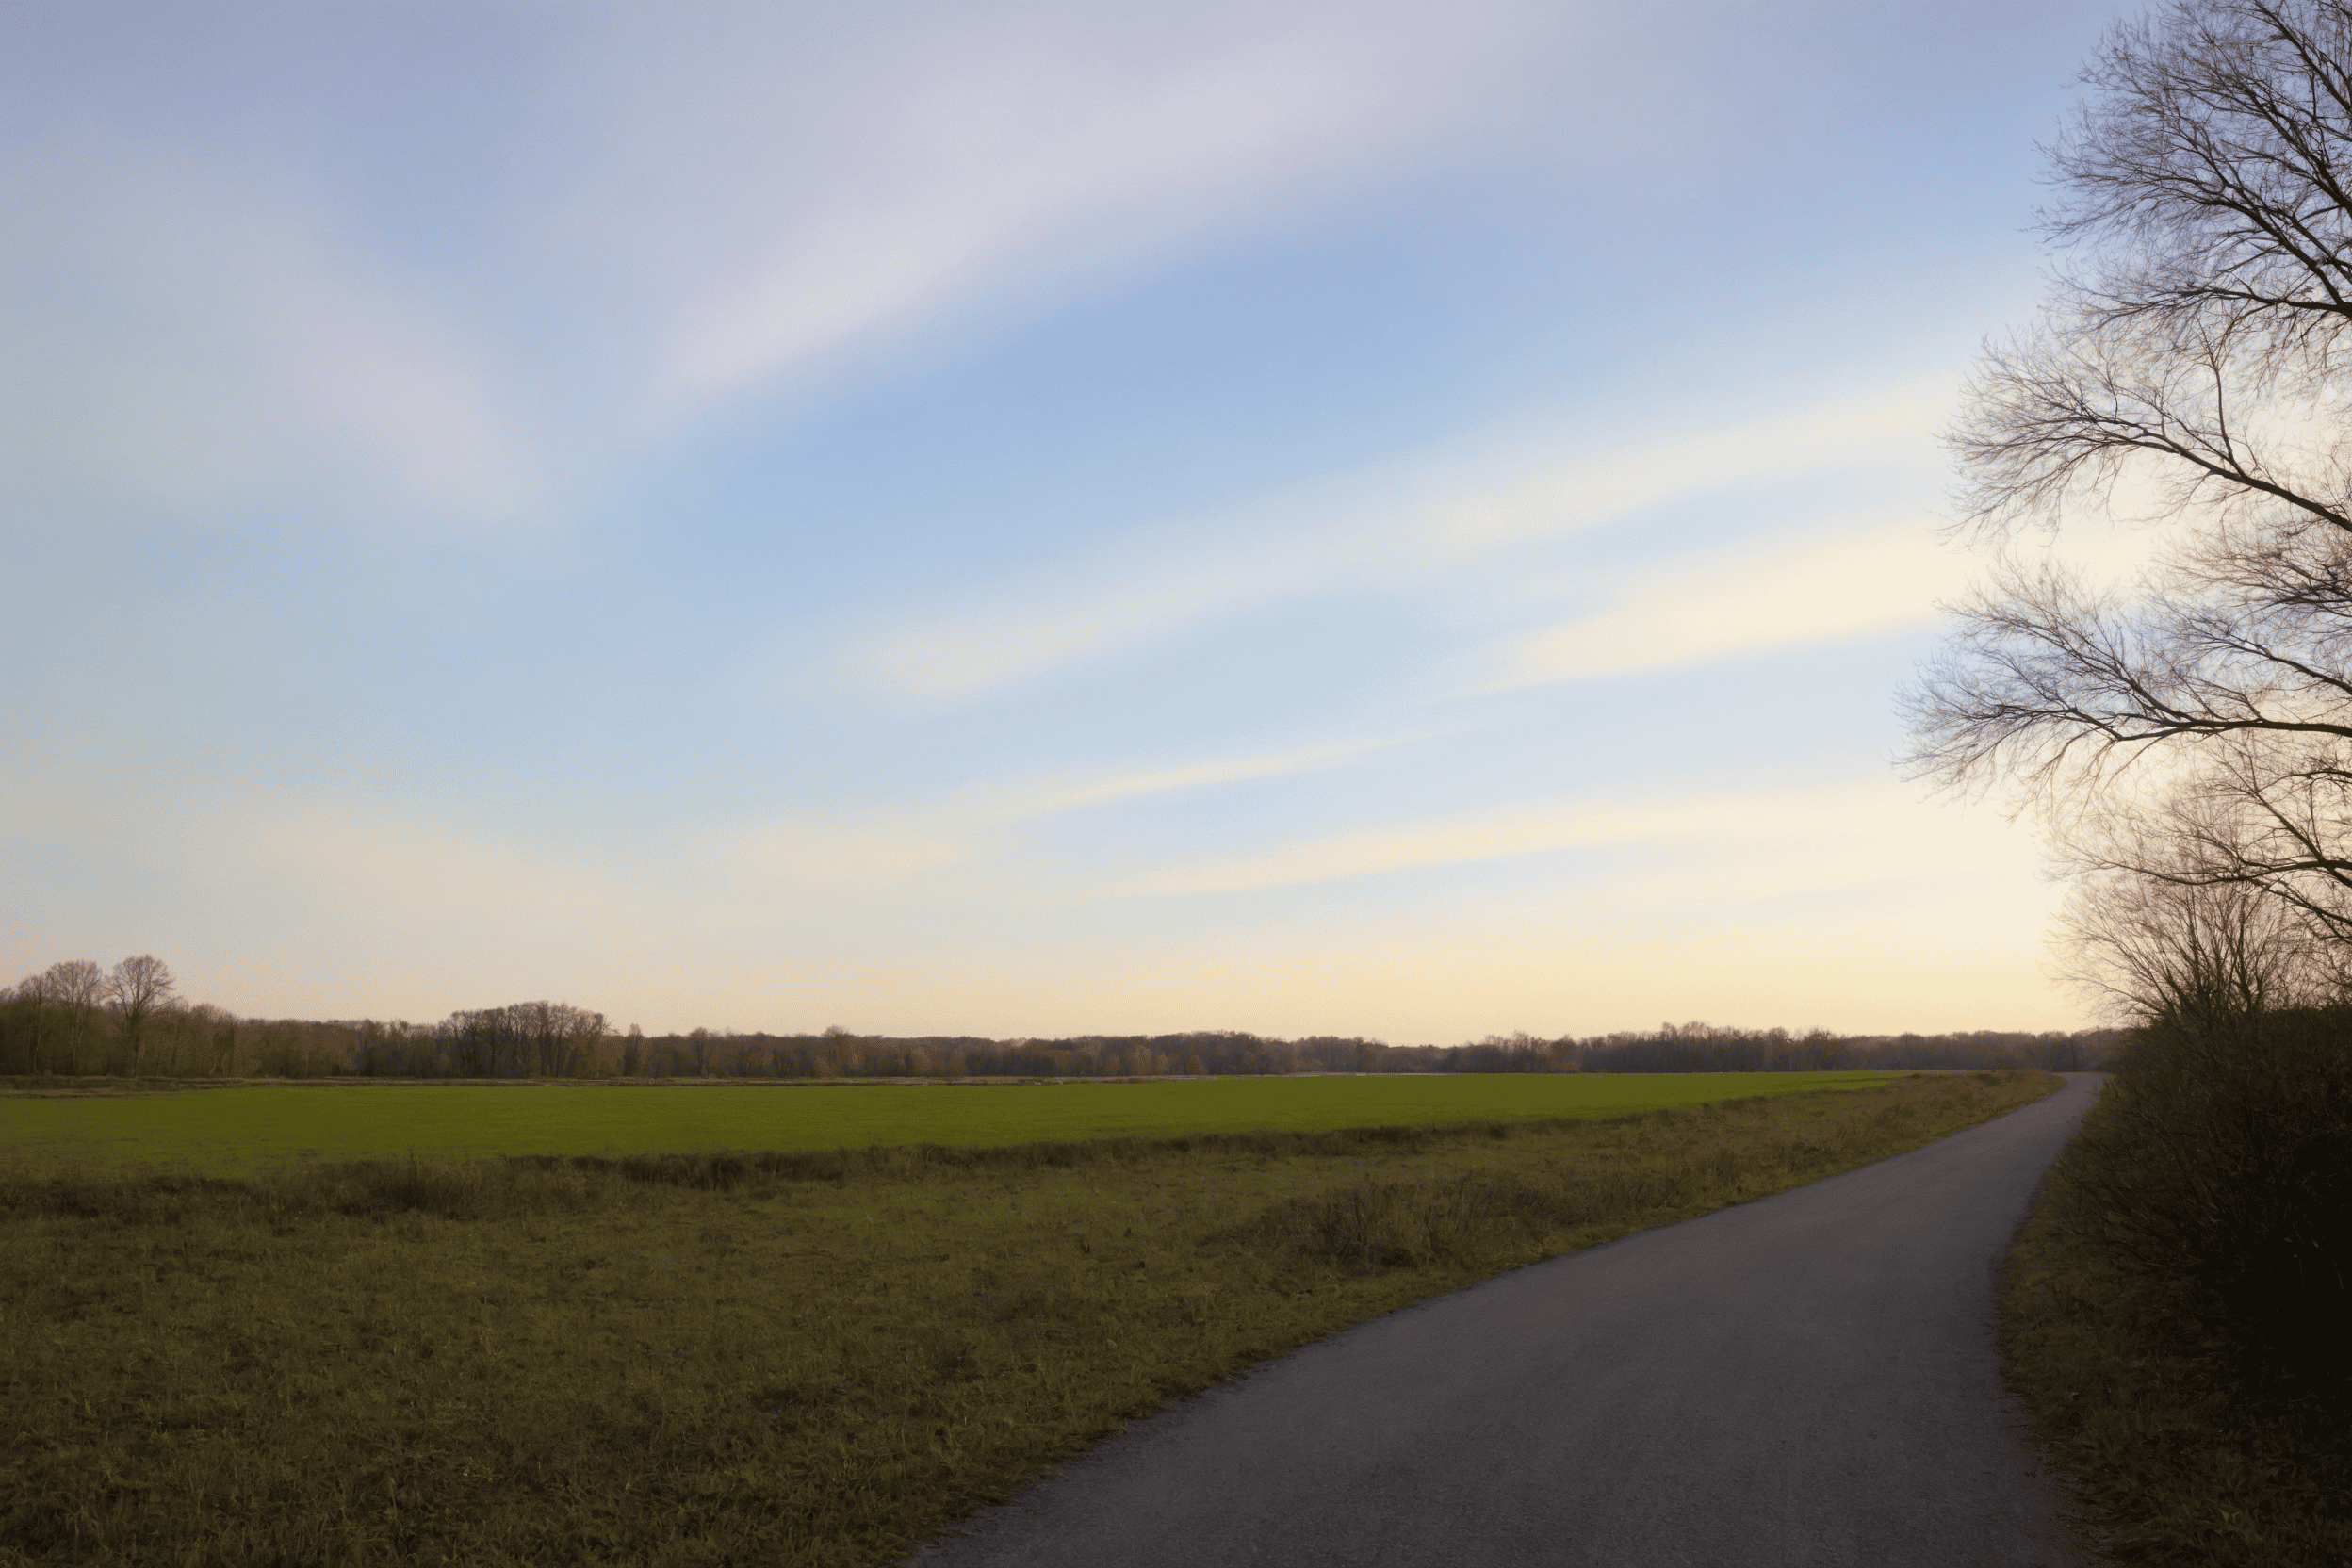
(1839, 832)
(1412, 524)
(1538, 828)
(884, 846)
(1700, 608)
(174, 336)
(1073, 792)
(711, 196)
(790, 185)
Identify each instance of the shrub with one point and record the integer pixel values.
(2221, 1177)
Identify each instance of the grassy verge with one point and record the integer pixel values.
(2143, 1397)
(802, 1357)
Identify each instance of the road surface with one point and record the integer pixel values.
(1804, 1381)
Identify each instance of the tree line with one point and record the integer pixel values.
(76, 1019)
(1684, 1047)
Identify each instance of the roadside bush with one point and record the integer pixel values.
(2220, 1176)
(2173, 1316)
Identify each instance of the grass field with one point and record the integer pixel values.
(248, 1127)
(814, 1358)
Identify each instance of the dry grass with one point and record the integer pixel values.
(795, 1357)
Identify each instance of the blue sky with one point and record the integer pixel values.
(1013, 518)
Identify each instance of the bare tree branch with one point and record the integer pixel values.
(2193, 731)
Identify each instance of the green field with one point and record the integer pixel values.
(248, 1126)
(803, 1357)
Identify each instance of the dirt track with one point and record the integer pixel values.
(1805, 1381)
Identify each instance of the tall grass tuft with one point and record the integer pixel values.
(1457, 1220)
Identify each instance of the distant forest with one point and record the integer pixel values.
(76, 1019)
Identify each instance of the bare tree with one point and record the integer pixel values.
(2151, 949)
(136, 987)
(526, 1039)
(73, 990)
(2193, 727)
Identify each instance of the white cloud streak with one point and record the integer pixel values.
(1700, 608)
(715, 196)
(1408, 526)
(174, 337)
(885, 847)
(787, 185)
(1817, 819)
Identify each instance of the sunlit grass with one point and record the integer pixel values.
(247, 1127)
(807, 1358)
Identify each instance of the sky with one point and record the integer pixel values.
(1010, 517)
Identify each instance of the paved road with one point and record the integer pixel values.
(1809, 1380)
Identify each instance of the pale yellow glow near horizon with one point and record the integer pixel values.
(1917, 968)
(1854, 906)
